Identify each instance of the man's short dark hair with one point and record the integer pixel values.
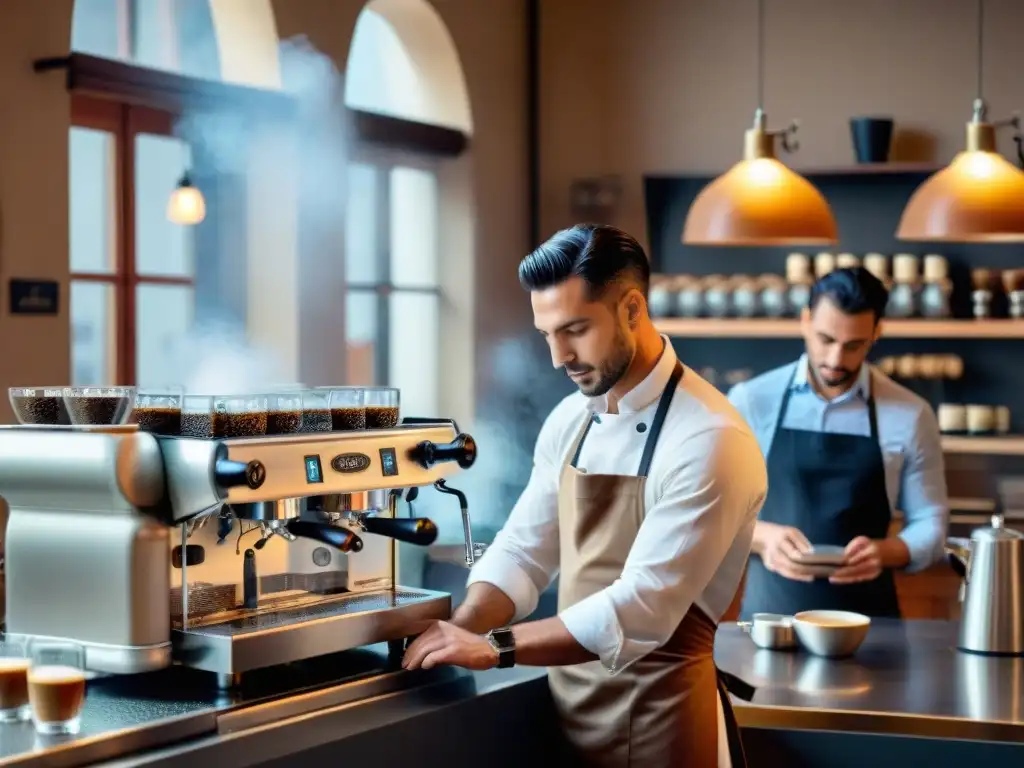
(600, 254)
(853, 290)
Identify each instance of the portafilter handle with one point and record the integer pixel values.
(334, 536)
(461, 450)
(412, 530)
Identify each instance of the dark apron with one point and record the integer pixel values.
(832, 488)
(659, 712)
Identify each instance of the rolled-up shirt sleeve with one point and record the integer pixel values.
(923, 496)
(702, 507)
(523, 559)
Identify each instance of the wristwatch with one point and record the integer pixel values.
(503, 641)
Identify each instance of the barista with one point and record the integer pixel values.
(643, 496)
(844, 444)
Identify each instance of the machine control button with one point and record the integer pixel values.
(255, 474)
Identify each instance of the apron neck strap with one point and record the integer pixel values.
(872, 416)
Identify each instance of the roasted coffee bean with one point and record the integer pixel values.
(239, 424)
(196, 425)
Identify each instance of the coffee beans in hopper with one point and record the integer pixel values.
(283, 422)
(239, 424)
(106, 409)
(348, 419)
(316, 420)
(381, 417)
(196, 425)
(159, 421)
(40, 410)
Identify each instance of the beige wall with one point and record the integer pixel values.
(669, 85)
(34, 169)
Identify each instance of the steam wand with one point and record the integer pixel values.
(467, 528)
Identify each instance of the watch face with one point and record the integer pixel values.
(503, 638)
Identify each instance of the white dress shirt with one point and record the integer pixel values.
(705, 488)
(908, 434)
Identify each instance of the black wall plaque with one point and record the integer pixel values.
(34, 297)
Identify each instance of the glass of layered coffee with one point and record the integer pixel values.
(240, 415)
(381, 407)
(284, 413)
(14, 666)
(56, 686)
(348, 408)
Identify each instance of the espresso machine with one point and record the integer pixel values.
(226, 555)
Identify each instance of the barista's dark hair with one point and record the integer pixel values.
(853, 290)
(600, 254)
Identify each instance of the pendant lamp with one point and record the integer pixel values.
(979, 196)
(759, 201)
(186, 205)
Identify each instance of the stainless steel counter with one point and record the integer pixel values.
(907, 679)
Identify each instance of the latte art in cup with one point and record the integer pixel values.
(56, 694)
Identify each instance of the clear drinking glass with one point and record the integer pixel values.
(284, 413)
(382, 405)
(56, 686)
(99, 405)
(316, 410)
(348, 408)
(158, 410)
(14, 666)
(240, 415)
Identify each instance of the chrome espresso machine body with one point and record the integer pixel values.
(131, 544)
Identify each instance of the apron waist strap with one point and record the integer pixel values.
(729, 683)
(741, 689)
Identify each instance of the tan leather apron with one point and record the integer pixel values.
(660, 712)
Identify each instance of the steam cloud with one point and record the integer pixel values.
(217, 358)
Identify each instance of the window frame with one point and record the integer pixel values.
(124, 122)
(383, 161)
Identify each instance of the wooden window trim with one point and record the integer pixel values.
(170, 92)
(124, 122)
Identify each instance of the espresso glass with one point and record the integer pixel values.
(56, 687)
(382, 405)
(158, 410)
(284, 413)
(316, 410)
(348, 408)
(197, 416)
(99, 405)
(14, 666)
(39, 405)
(240, 415)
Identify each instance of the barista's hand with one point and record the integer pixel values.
(863, 562)
(779, 545)
(444, 643)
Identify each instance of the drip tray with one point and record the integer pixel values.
(268, 638)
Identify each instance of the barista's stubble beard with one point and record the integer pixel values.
(613, 368)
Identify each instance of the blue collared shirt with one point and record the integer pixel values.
(908, 433)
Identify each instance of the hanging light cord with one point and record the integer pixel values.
(981, 47)
(760, 54)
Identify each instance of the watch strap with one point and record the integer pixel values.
(504, 643)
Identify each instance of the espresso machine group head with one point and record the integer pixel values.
(108, 544)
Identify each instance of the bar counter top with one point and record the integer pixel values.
(907, 678)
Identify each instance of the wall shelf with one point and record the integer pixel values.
(761, 328)
(1010, 445)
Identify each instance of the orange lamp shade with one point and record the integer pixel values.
(979, 197)
(760, 201)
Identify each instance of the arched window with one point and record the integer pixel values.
(403, 64)
(133, 272)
